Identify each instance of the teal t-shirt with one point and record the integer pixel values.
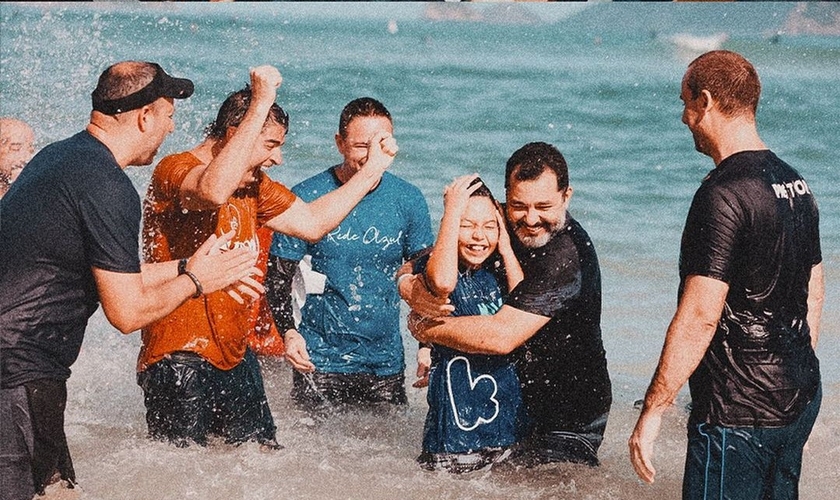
(353, 326)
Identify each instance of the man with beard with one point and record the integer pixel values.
(550, 321)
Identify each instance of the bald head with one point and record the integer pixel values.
(17, 145)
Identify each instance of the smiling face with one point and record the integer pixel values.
(536, 209)
(479, 232)
(353, 145)
(267, 151)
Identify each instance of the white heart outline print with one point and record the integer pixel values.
(473, 383)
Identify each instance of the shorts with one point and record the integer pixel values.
(562, 446)
(320, 391)
(188, 399)
(33, 446)
(747, 462)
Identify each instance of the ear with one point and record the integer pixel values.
(144, 115)
(567, 196)
(706, 100)
(339, 143)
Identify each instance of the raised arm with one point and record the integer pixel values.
(211, 185)
(688, 337)
(442, 268)
(312, 221)
(513, 270)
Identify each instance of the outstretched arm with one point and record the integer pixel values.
(133, 300)
(688, 337)
(312, 221)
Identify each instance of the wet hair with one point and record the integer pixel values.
(483, 190)
(531, 160)
(363, 106)
(123, 79)
(730, 79)
(233, 112)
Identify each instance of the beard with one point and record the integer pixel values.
(529, 241)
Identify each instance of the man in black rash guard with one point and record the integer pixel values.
(751, 294)
(551, 321)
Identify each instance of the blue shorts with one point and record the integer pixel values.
(187, 399)
(747, 462)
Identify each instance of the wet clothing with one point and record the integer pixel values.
(580, 447)
(213, 326)
(32, 440)
(353, 326)
(747, 462)
(194, 366)
(563, 367)
(187, 399)
(753, 224)
(475, 402)
(71, 209)
(324, 391)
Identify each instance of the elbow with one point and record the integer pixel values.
(125, 325)
(440, 288)
(212, 198)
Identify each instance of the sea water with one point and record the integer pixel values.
(601, 82)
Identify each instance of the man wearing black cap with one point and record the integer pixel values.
(69, 241)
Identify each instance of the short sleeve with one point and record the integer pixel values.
(551, 286)
(275, 198)
(111, 218)
(711, 234)
(419, 235)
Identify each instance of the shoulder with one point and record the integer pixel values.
(315, 186)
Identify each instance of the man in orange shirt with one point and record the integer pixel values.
(197, 373)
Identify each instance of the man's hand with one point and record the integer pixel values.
(641, 444)
(382, 149)
(421, 301)
(265, 80)
(296, 353)
(216, 268)
(424, 365)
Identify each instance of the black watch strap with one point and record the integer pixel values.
(182, 266)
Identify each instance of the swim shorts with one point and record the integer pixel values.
(316, 391)
(33, 446)
(188, 399)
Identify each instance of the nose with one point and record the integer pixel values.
(532, 217)
(276, 156)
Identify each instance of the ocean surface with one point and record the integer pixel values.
(600, 81)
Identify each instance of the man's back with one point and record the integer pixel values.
(71, 208)
(754, 225)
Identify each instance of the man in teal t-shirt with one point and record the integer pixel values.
(348, 348)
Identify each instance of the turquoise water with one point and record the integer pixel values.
(600, 82)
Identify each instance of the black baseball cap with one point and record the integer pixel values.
(162, 85)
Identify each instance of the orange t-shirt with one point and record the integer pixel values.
(213, 326)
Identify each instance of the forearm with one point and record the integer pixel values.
(470, 334)
(513, 270)
(130, 311)
(327, 211)
(222, 176)
(278, 290)
(157, 273)
(816, 297)
(442, 267)
(688, 337)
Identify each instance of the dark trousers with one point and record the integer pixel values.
(747, 463)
